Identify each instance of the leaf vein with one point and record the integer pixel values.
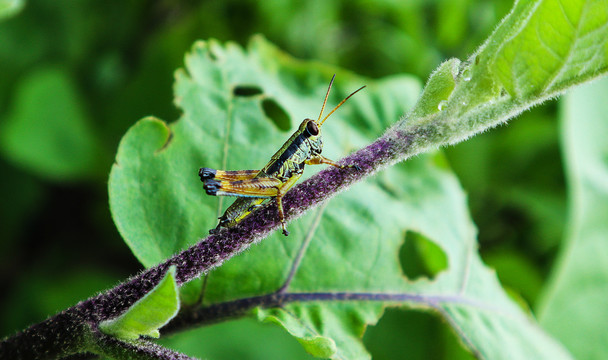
(551, 81)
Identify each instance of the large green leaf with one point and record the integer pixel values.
(550, 44)
(159, 205)
(575, 308)
(156, 165)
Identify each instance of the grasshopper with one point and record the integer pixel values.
(253, 187)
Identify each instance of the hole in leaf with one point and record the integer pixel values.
(419, 334)
(246, 90)
(420, 257)
(276, 114)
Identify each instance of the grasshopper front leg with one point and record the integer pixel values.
(320, 159)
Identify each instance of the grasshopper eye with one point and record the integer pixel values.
(312, 128)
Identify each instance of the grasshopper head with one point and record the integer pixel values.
(310, 128)
(314, 126)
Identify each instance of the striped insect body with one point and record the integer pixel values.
(253, 187)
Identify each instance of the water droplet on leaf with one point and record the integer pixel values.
(442, 104)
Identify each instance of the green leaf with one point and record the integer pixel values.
(313, 342)
(149, 313)
(547, 44)
(159, 206)
(540, 49)
(48, 131)
(468, 295)
(438, 89)
(9, 8)
(574, 308)
(156, 196)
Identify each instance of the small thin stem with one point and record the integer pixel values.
(232, 309)
(302, 250)
(201, 296)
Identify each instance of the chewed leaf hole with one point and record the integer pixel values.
(420, 257)
(276, 113)
(405, 331)
(246, 90)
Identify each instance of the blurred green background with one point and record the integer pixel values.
(76, 74)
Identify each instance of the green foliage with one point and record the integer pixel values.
(574, 306)
(76, 76)
(48, 132)
(512, 71)
(156, 167)
(244, 339)
(149, 313)
(549, 46)
(151, 178)
(10, 8)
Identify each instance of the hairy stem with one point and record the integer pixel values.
(69, 332)
(452, 108)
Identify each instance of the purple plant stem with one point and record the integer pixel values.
(66, 333)
(231, 309)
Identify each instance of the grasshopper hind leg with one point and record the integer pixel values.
(251, 191)
(206, 173)
(211, 186)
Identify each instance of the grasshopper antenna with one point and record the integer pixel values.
(326, 96)
(340, 104)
